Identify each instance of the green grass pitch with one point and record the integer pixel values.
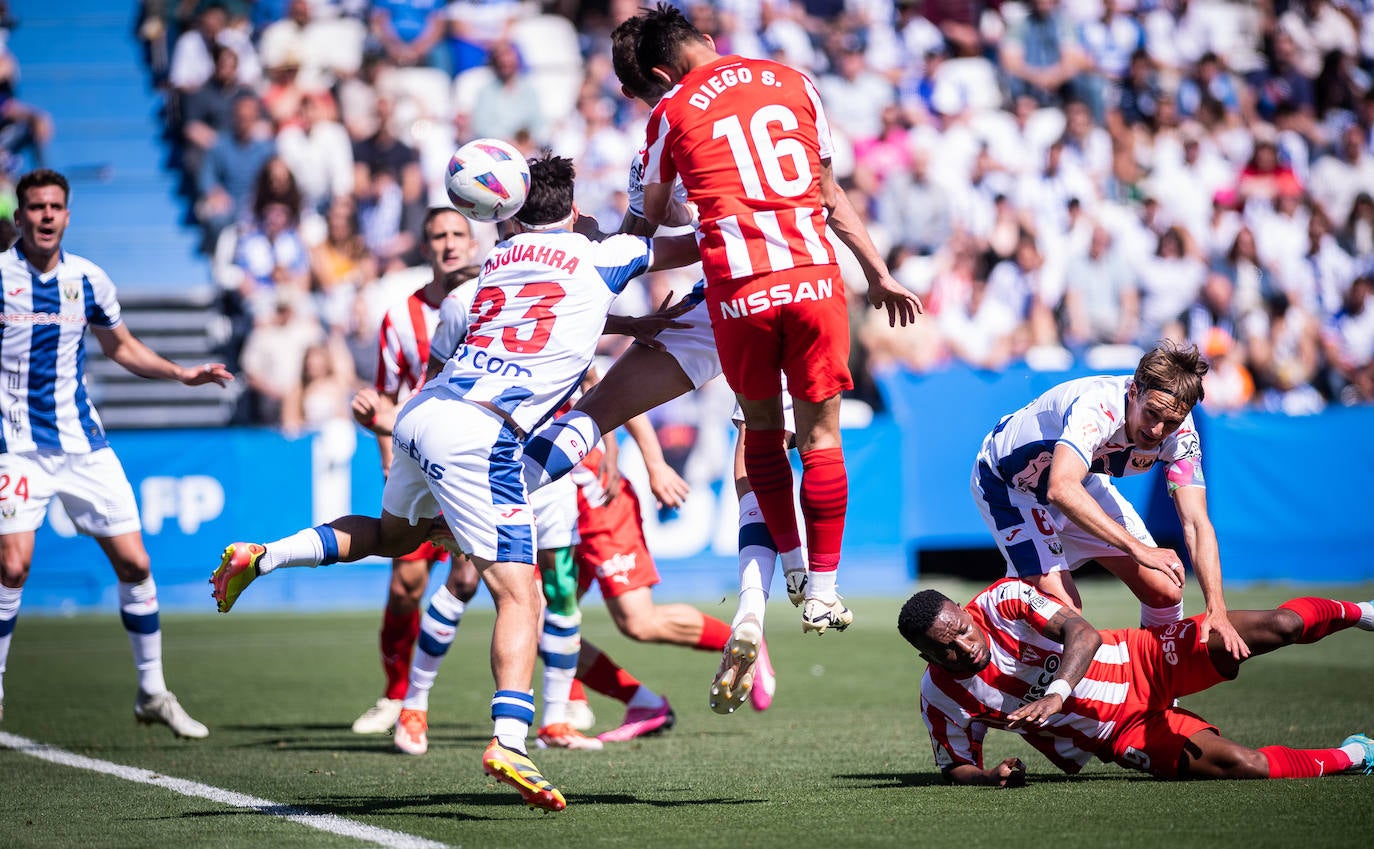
(842, 759)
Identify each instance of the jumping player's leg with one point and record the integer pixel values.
(344, 540)
(639, 380)
(515, 589)
(824, 490)
(758, 556)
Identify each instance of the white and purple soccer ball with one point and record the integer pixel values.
(487, 180)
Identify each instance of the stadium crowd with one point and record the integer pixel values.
(1060, 180)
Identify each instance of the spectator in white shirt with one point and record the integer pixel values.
(320, 155)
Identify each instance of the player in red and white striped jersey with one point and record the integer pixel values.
(750, 142)
(402, 355)
(1021, 661)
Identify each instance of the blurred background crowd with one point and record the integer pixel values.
(1062, 181)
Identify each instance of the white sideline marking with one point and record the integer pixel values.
(324, 822)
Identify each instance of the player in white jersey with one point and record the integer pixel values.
(52, 444)
(1042, 482)
(555, 528)
(1017, 659)
(541, 304)
(404, 342)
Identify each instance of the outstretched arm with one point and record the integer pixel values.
(883, 291)
(120, 345)
(1201, 539)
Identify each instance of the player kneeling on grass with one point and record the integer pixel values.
(543, 295)
(1022, 661)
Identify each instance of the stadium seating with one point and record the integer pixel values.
(81, 63)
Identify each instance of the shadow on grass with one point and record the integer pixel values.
(899, 780)
(446, 805)
(318, 737)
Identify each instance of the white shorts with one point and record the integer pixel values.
(1036, 539)
(555, 513)
(694, 347)
(464, 461)
(92, 487)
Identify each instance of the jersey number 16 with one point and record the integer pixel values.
(767, 153)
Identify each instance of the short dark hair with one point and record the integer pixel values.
(37, 179)
(661, 38)
(1173, 369)
(434, 212)
(550, 197)
(919, 613)
(624, 43)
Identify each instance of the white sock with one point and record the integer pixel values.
(752, 601)
(9, 614)
(138, 611)
(438, 628)
(645, 698)
(1366, 615)
(1356, 754)
(303, 548)
(758, 557)
(1160, 615)
(822, 585)
(560, 642)
(793, 560)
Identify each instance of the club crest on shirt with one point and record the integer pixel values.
(71, 293)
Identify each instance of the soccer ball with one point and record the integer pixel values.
(487, 180)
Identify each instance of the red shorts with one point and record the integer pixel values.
(1168, 661)
(612, 550)
(794, 322)
(428, 552)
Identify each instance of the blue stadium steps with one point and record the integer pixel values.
(80, 61)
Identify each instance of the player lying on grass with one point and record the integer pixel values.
(1016, 659)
